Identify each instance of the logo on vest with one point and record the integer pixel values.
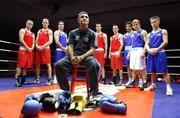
(86, 39)
(159, 34)
(77, 38)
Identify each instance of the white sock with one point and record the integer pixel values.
(16, 76)
(140, 81)
(130, 79)
(153, 84)
(144, 81)
(168, 86)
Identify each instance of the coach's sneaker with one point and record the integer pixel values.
(119, 82)
(151, 87)
(104, 81)
(169, 92)
(113, 82)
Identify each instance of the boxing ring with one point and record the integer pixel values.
(8, 60)
(144, 100)
(9, 50)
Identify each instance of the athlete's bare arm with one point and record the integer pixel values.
(50, 36)
(21, 38)
(56, 38)
(106, 44)
(110, 48)
(165, 40)
(144, 35)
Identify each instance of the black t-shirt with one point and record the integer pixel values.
(82, 40)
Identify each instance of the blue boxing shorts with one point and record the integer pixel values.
(157, 64)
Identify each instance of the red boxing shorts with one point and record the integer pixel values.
(99, 55)
(25, 59)
(43, 57)
(116, 63)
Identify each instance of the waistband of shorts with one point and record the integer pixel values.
(127, 47)
(23, 48)
(100, 49)
(48, 47)
(114, 53)
(59, 49)
(137, 48)
(162, 50)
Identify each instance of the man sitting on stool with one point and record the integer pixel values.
(81, 46)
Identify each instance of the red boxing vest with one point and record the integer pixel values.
(28, 39)
(115, 44)
(43, 37)
(100, 40)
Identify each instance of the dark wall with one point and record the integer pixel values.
(169, 13)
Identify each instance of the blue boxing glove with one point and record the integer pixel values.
(32, 97)
(108, 107)
(31, 108)
(108, 98)
(122, 108)
(113, 108)
(111, 104)
(64, 100)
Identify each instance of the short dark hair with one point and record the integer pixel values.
(128, 23)
(98, 23)
(136, 20)
(60, 21)
(82, 12)
(29, 20)
(115, 25)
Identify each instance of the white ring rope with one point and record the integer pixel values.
(5, 50)
(7, 70)
(7, 61)
(173, 57)
(9, 42)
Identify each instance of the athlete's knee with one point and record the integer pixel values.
(166, 75)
